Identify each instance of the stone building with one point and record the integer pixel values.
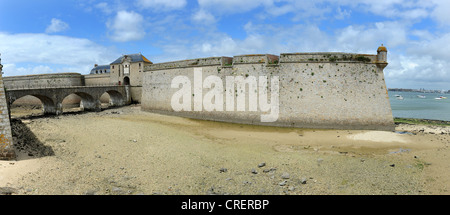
(128, 69)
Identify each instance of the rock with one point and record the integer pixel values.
(303, 181)
(117, 190)
(7, 190)
(90, 192)
(261, 165)
(254, 171)
(269, 170)
(223, 170)
(285, 175)
(211, 191)
(319, 161)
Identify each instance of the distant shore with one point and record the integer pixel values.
(413, 121)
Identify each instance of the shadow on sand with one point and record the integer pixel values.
(25, 142)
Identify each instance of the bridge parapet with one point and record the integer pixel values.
(22, 87)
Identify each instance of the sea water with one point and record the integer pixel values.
(411, 106)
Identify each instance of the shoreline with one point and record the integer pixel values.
(417, 121)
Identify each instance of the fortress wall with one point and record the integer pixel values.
(316, 90)
(6, 142)
(43, 80)
(97, 79)
(136, 93)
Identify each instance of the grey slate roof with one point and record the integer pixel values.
(102, 68)
(134, 58)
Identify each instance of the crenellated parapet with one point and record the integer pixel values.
(275, 60)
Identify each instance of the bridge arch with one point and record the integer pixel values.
(88, 102)
(48, 104)
(116, 98)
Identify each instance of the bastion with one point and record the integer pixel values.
(323, 90)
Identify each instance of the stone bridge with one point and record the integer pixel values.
(52, 97)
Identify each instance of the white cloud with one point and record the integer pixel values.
(342, 14)
(104, 7)
(362, 38)
(56, 25)
(203, 17)
(261, 38)
(37, 53)
(162, 4)
(340, 9)
(441, 11)
(12, 69)
(126, 26)
(416, 71)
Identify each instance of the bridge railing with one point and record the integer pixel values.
(23, 87)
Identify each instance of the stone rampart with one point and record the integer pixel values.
(327, 90)
(43, 80)
(97, 79)
(6, 141)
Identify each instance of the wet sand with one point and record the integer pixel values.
(127, 151)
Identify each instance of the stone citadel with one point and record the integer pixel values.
(325, 90)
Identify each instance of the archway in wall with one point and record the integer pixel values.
(30, 105)
(26, 106)
(78, 101)
(126, 81)
(112, 98)
(105, 100)
(71, 103)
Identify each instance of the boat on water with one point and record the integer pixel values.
(421, 96)
(441, 97)
(399, 97)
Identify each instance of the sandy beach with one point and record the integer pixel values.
(128, 151)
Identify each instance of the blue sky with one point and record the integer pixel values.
(49, 36)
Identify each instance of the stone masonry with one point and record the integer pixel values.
(6, 143)
(325, 90)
